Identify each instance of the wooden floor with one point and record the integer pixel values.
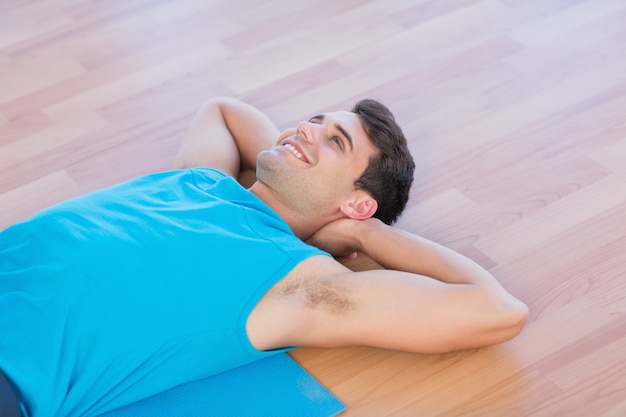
(516, 114)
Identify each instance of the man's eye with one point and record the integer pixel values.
(337, 141)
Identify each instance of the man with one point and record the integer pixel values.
(125, 292)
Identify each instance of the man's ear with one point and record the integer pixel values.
(360, 206)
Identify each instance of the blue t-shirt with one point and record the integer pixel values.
(120, 294)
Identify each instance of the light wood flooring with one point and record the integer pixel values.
(515, 112)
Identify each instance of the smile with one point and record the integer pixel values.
(295, 152)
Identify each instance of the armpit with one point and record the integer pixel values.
(315, 292)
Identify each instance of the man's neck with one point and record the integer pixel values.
(302, 226)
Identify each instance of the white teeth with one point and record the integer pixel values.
(294, 151)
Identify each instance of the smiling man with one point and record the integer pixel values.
(125, 292)
(307, 174)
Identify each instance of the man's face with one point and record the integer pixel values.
(312, 168)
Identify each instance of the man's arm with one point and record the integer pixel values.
(429, 299)
(227, 134)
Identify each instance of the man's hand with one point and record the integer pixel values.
(340, 238)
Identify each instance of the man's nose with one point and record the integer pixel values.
(306, 131)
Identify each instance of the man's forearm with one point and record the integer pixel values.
(226, 134)
(251, 130)
(400, 250)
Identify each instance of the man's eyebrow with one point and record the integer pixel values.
(344, 132)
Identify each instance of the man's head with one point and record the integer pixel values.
(340, 164)
(389, 174)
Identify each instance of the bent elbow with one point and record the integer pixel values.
(514, 316)
(522, 316)
(500, 322)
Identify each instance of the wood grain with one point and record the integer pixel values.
(515, 112)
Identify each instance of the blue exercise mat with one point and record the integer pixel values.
(274, 387)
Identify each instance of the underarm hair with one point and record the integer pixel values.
(317, 293)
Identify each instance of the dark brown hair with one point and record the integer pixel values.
(389, 174)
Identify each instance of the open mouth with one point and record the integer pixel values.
(296, 152)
